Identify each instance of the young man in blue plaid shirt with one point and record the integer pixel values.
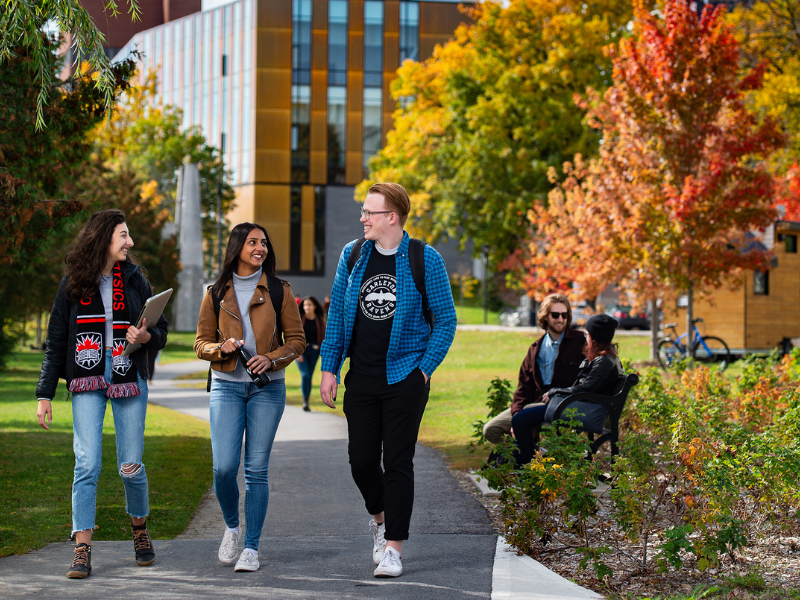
(376, 319)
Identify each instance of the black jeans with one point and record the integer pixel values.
(383, 416)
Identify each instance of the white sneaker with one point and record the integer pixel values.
(390, 565)
(229, 547)
(378, 540)
(248, 561)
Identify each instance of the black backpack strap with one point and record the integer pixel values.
(276, 296)
(215, 302)
(416, 259)
(355, 253)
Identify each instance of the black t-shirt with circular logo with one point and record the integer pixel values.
(377, 301)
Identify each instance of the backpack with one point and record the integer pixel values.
(275, 295)
(416, 259)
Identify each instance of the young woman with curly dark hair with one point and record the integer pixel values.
(92, 319)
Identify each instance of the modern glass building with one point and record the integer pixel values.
(296, 94)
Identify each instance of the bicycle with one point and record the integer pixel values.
(707, 350)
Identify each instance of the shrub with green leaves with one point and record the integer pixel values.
(499, 399)
(707, 466)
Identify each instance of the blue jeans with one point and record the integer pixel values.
(88, 412)
(237, 408)
(525, 423)
(310, 357)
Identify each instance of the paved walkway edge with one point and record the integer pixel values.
(522, 578)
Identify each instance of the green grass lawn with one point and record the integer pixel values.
(458, 391)
(473, 315)
(37, 467)
(179, 348)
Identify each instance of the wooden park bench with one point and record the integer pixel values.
(598, 415)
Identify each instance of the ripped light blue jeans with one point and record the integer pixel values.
(88, 412)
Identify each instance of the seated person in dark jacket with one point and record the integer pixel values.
(600, 373)
(552, 361)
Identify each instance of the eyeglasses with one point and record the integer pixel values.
(559, 315)
(368, 213)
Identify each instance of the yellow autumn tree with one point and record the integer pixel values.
(482, 120)
(769, 35)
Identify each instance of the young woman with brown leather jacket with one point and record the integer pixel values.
(239, 403)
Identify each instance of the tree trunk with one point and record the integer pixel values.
(38, 330)
(654, 329)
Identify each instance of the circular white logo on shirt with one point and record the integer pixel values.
(378, 299)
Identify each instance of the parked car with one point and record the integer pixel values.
(629, 319)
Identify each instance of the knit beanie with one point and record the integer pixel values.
(601, 327)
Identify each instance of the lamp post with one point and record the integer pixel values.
(219, 192)
(485, 253)
(219, 227)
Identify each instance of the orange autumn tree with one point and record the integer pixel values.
(667, 206)
(788, 196)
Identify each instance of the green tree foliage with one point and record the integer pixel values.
(769, 34)
(147, 138)
(680, 179)
(491, 111)
(38, 169)
(20, 31)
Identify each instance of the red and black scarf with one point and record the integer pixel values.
(89, 355)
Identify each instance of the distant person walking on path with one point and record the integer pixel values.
(101, 294)
(552, 360)
(313, 319)
(243, 315)
(600, 373)
(378, 317)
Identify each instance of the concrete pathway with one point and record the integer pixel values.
(315, 542)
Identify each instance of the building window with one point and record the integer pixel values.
(314, 240)
(319, 229)
(337, 128)
(165, 81)
(791, 243)
(373, 43)
(373, 80)
(337, 90)
(373, 101)
(301, 41)
(295, 228)
(301, 90)
(337, 42)
(761, 283)
(409, 31)
(300, 140)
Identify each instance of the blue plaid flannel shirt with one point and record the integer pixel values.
(412, 344)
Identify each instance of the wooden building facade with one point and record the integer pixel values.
(763, 310)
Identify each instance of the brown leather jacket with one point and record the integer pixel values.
(262, 317)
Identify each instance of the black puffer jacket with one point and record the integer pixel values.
(59, 358)
(599, 376)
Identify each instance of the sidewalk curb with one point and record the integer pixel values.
(522, 578)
